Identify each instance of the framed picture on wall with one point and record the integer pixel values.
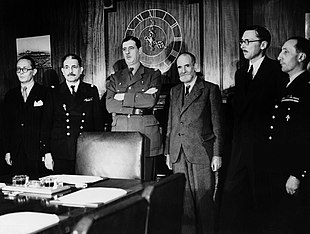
(39, 48)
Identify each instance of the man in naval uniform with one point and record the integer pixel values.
(131, 95)
(71, 108)
(287, 152)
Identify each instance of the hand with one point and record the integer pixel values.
(119, 96)
(168, 163)
(292, 184)
(216, 163)
(151, 90)
(48, 161)
(8, 159)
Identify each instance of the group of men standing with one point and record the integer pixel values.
(266, 181)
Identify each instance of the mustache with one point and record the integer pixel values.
(71, 74)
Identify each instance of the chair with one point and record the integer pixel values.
(110, 154)
(165, 205)
(127, 216)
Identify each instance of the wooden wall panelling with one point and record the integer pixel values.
(284, 19)
(221, 36)
(186, 14)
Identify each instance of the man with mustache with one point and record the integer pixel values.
(131, 96)
(71, 108)
(257, 84)
(194, 143)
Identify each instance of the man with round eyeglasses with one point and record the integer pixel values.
(23, 107)
(257, 83)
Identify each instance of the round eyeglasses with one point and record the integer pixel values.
(23, 69)
(247, 41)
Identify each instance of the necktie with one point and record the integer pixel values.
(130, 73)
(250, 72)
(24, 93)
(72, 90)
(187, 87)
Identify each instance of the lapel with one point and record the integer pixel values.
(257, 84)
(193, 95)
(136, 77)
(32, 96)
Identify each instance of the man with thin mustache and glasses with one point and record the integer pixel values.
(71, 108)
(23, 107)
(257, 84)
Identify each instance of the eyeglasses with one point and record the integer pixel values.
(23, 69)
(247, 41)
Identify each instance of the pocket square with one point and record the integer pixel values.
(88, 99)
(38, 103)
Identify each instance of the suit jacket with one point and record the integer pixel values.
(23, 121)
(134, 88)
(65, 117)
(197, 125)
(289, 130)
(252, 105)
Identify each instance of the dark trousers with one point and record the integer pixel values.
(198, 214)
(63, 166)
(150, 168)
(22, 165)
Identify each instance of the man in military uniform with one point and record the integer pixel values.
(131, 95)
(71, 108)
(287, 153)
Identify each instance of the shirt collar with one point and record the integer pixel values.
(256, 65)
(76, 85)
(192, 83)
(293, 77)
(29, 86)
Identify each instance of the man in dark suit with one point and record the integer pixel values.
(288, 143)
(131, 95)
(194, 142)
(257, 84)
(71, 108)
(23, 107)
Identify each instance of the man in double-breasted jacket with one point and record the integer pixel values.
(288, 139)
(71, 108)
(22, 117)
(131, 95)
(194, 143)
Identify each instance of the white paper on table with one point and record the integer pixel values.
(26, 222)
(75, 179)
(92, 196)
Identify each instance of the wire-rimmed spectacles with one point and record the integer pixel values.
(23, 69)
(247, 41)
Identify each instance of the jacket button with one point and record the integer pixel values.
(22, 124)
(68, 127)
(181, 123)
(68, 133)
(67, 120)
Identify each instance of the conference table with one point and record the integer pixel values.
(68, 215)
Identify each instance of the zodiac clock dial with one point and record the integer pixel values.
(160, 35)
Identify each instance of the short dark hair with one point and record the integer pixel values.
(302, 45)
(72, 56)
(135, 39)
(261, 32)
(193, 58)
(27, 57)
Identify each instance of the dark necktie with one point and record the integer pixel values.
(72, 90)
(24, 93)
(187, 87)
(250, 73)
(130, 73)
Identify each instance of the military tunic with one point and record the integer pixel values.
(134, 113)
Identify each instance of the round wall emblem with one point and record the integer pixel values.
(160, 35)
